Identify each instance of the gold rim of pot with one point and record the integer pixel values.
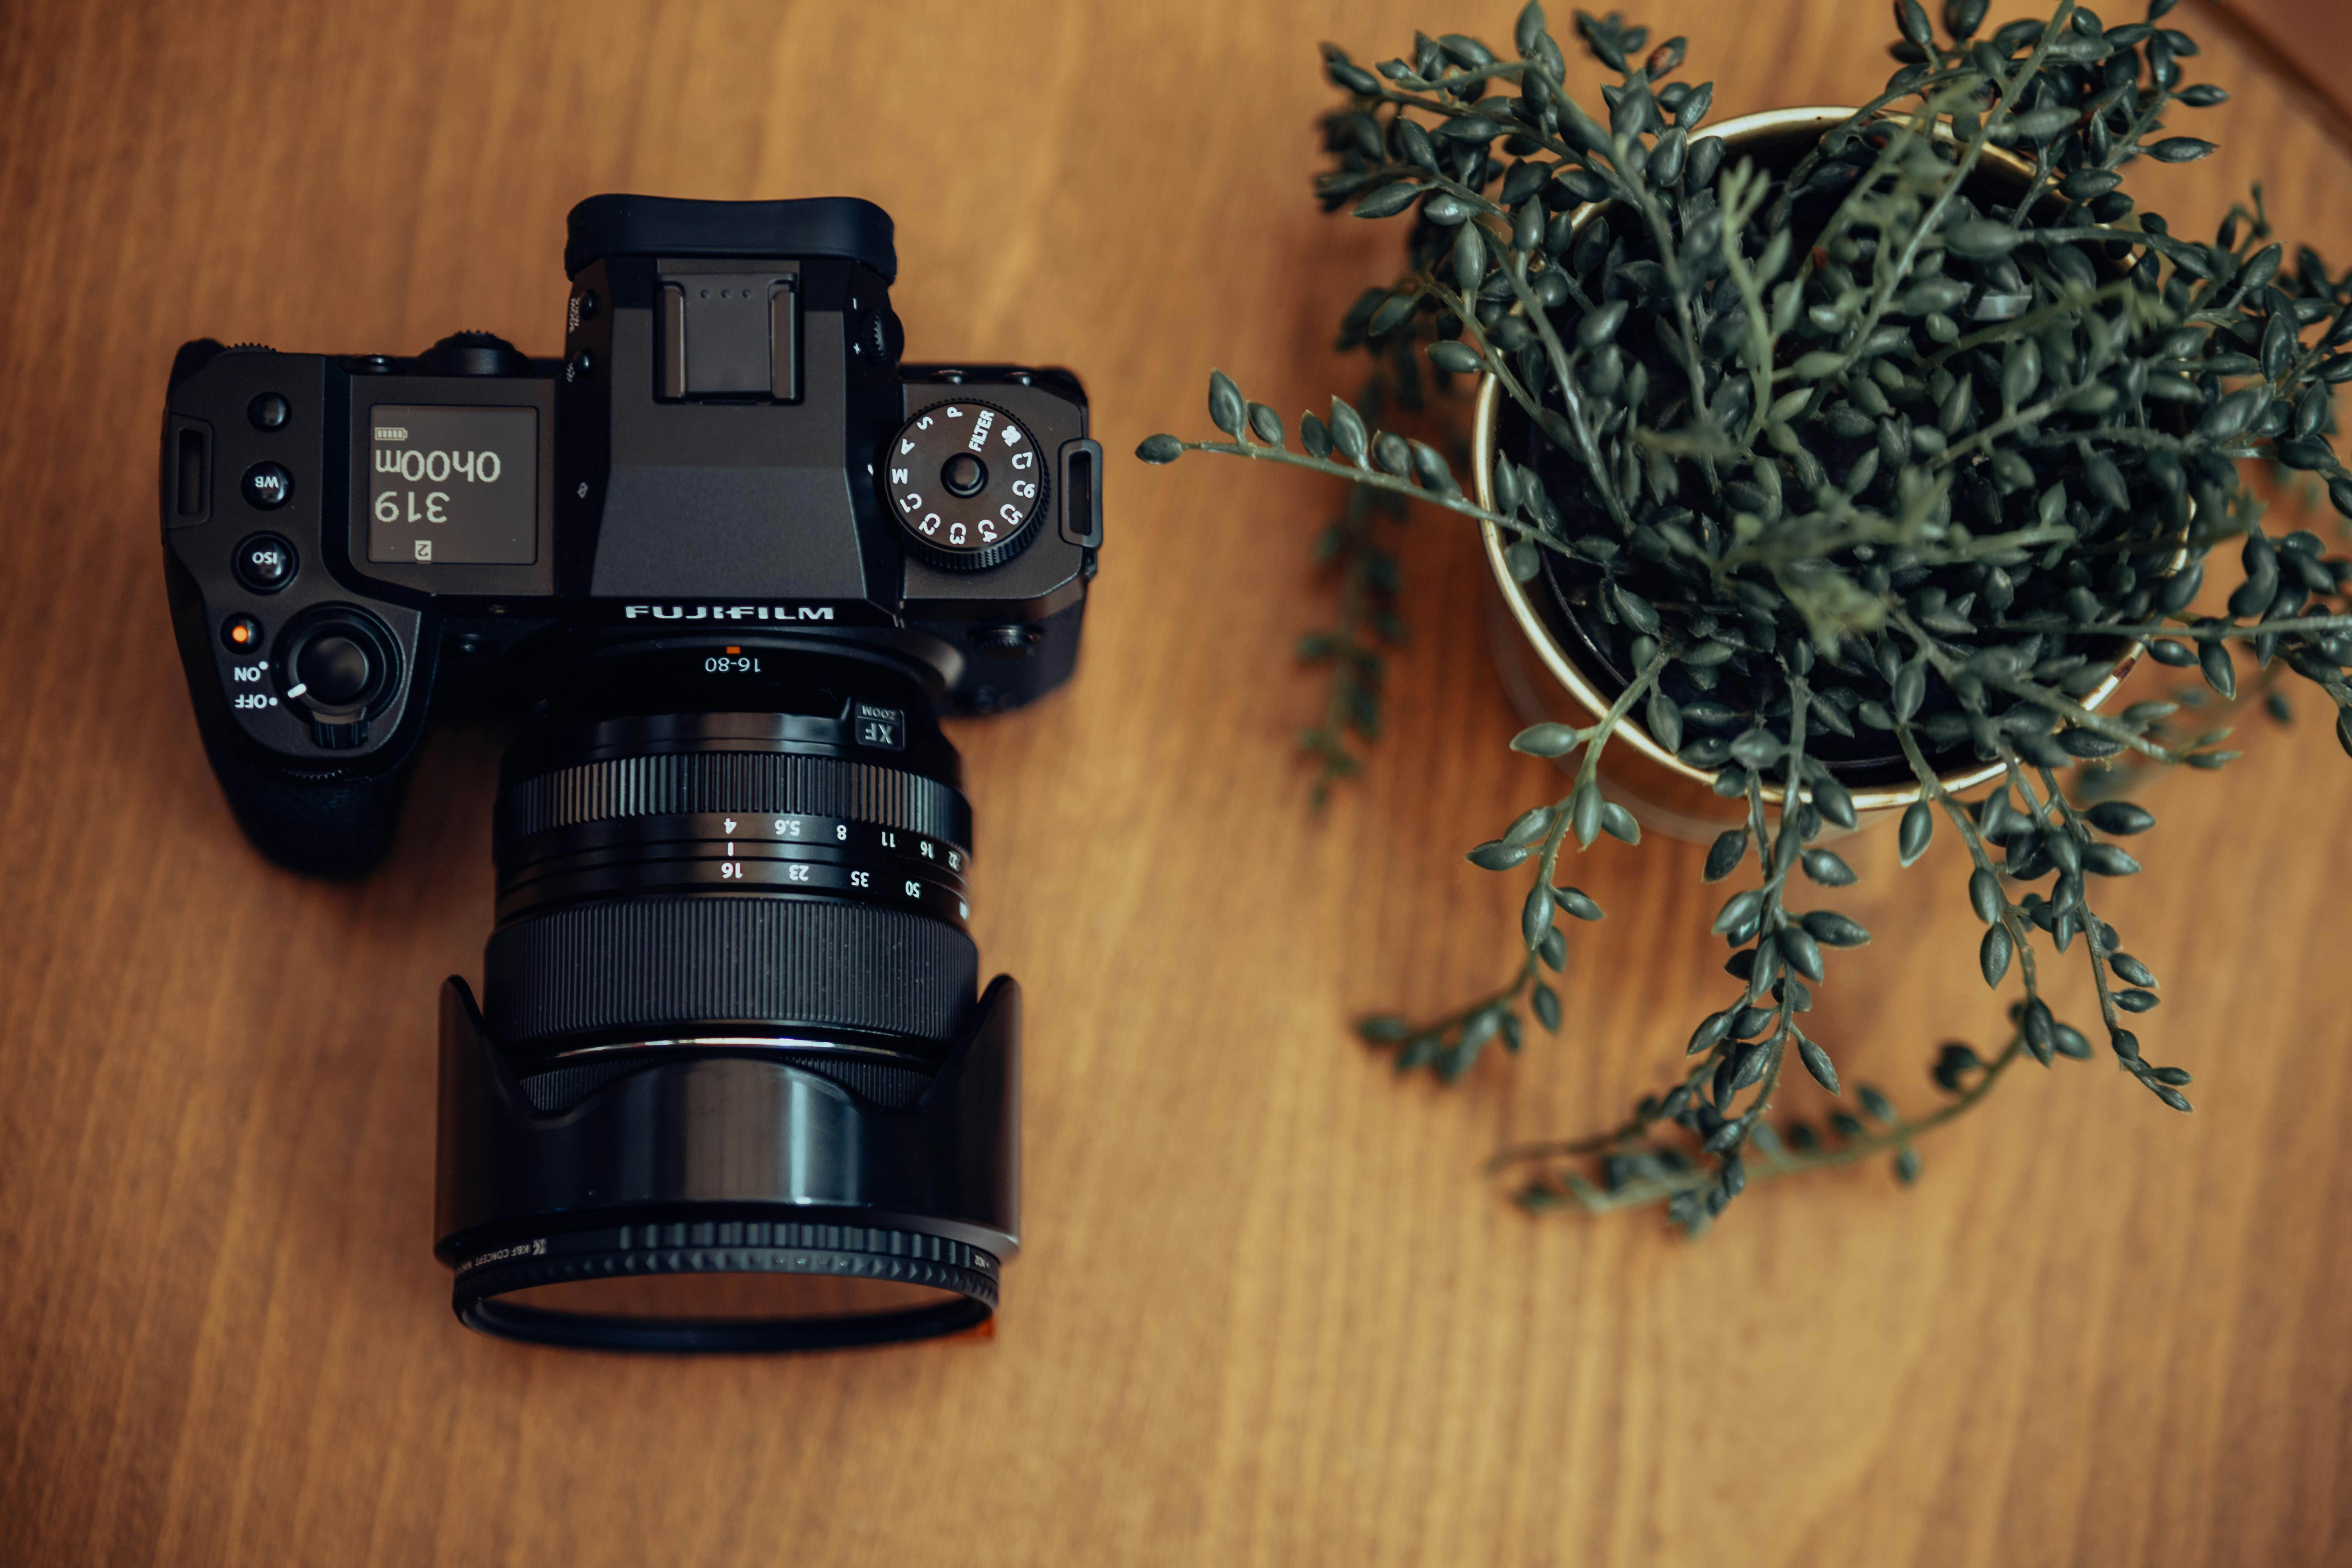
(1485, 422)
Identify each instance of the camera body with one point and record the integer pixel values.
(706, 465)
(725, 559)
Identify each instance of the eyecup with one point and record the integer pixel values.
(705, 1161)
(621, 224)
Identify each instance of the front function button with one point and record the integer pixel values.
(241, 633)
(268, 485)
(264, 564)
(967, 483)
(268, 412)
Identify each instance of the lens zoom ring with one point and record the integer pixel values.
(746, 782)
(665, 962)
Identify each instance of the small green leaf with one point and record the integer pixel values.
(1723, 858)
(1534, 916)
(1992, 957)
(1348, 431)
(2119, 817)
(1469, 257)
(1458, 357)
(1664, 720)
(1636, 610)
(1584, 813)
(1393, 313)
(1577, 903)
(1547, 740)
(1833, 930)
(1738, 911)
(1799, 952)
(2220, 674)
(1919, 827)
(1160, 449)
(1315, 436)
(1835, 802)
(1817, 1062)
(1226, 409)
(1599, 327)
(1985, 896)
(1980, 239)
(1826, 869)
(1530, 827)
(1388, 200)
(1910, 690)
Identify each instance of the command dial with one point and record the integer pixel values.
(967, 483)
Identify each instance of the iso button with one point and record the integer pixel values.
(264, 564)
(268, 485)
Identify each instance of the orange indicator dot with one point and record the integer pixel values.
(731, 648)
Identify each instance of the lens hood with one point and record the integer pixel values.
(728, 1195)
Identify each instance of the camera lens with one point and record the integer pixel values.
(730, 1085)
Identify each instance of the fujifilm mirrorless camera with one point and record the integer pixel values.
(731, 1082)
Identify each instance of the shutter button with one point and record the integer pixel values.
(334, 670)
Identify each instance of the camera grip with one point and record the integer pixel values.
(328, 822)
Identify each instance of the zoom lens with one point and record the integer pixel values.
(729, 1086)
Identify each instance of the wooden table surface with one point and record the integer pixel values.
(1269, 1312)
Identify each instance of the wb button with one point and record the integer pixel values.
(884, 727)
(268, 485)
(264, 564)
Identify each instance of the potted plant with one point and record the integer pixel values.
(1838, 461)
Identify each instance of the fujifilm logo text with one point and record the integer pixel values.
(729, 612)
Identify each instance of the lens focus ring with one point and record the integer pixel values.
(626, 966)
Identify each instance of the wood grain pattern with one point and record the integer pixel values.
(1269, 1313)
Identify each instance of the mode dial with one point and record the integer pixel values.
(967, 483)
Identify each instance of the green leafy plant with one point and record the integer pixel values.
(1366, 624)
(1895, 450)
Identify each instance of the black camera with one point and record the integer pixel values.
(730, 1084)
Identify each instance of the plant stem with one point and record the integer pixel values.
(1635, 1195)
(2188, 631)
(1376, 479)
